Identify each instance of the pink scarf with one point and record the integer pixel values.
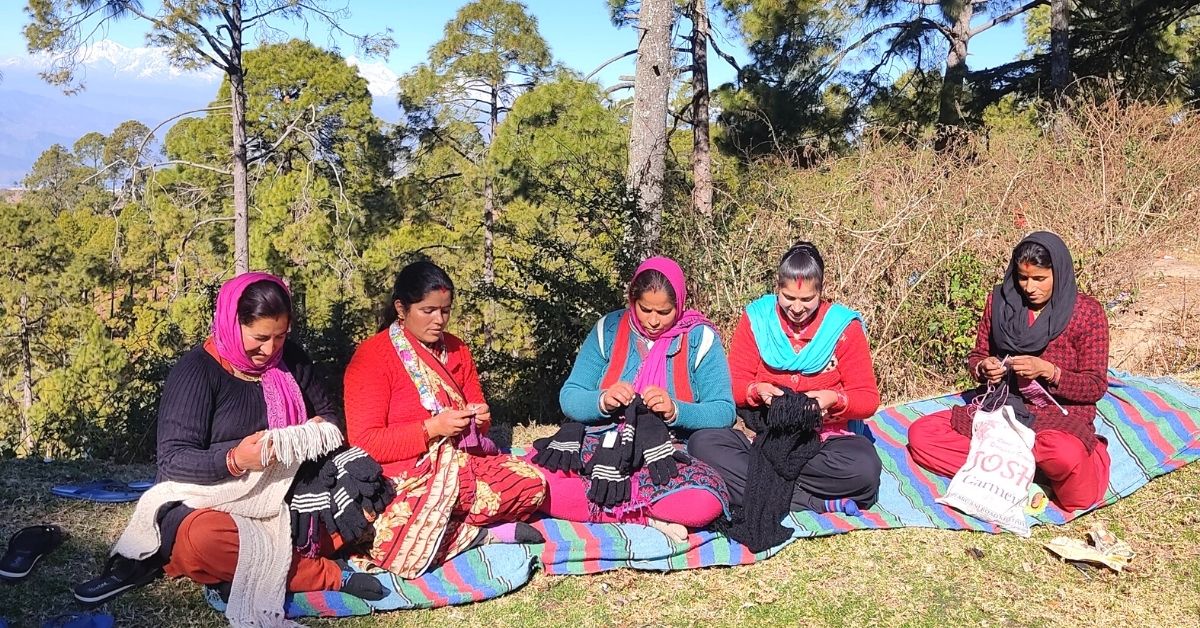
(653, 371)
(285, 403)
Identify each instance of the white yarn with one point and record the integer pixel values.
(295, 444)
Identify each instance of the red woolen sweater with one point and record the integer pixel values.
(383, 408)
(850, 372)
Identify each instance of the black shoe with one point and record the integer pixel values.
(26, 548)
(120, 575)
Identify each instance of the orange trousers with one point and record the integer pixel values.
(206, 550)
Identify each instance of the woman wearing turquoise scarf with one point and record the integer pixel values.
(794, 340)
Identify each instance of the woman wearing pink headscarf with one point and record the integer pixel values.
(646, 377)
(218, 400)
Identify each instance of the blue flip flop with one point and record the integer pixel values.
(81, 620)
(141, 485)
(104, 491)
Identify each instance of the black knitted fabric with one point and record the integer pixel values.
(789, 438)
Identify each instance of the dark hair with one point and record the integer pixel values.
(412, 284)
(802, 261)
(263, 299)
(649, 281)
(1030, 252)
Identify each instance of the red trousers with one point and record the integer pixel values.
(1077, 478)
(206, 550)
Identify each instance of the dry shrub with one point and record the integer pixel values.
(915, 240)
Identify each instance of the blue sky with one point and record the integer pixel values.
(579, 33)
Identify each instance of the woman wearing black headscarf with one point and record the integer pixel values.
(1050, 344)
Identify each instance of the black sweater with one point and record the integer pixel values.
(205, 411)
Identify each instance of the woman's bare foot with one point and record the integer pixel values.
(674, 531)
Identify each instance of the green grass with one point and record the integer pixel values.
(895, 577)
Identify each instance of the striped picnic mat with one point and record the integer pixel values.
(1152, 427)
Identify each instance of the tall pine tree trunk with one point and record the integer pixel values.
(648, 120)
(241, 191)
(489, 223)
(950, 98)
(702, 185)
(1060, 46)
(26, 378)
(489, 201)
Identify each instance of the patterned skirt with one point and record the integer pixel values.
(442, 504)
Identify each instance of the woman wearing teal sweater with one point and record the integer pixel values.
(656, 367)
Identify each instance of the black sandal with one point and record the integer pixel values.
(28, 546)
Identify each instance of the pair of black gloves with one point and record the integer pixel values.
(640, 440)
(331, 493)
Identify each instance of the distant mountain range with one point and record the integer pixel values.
(121, 84)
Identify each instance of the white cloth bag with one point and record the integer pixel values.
(994, 483)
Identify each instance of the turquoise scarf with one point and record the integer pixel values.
(775, 348)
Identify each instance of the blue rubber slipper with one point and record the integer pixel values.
(104, 491)
(81, 620)
(141, 485)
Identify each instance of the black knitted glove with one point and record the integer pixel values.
(609, 468)
(561, 451)
(357, 471)
(654, 450)
(307, 500)
(346, 517)
(383, 497)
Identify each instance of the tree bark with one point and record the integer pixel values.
(489, 200)
(1060, 46)
(702, 185)
(489, 222)
(648, 120)
(26, 378)
(241, 192)
(950, 99)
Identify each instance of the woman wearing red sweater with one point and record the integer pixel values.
(793, 339)
(1050, 344)
(414, 403)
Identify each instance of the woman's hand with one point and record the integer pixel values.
(483, 416)
(992, 369)
(617, 395)
(449, 423)
(1030, 367)
(659, 402)
(248, 454)
(825, 398)
(767, 392)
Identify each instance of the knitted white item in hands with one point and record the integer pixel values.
(297, 443)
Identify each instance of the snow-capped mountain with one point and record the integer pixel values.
(121, 83)
(142, 62)
(107, 58)
(381, 80)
